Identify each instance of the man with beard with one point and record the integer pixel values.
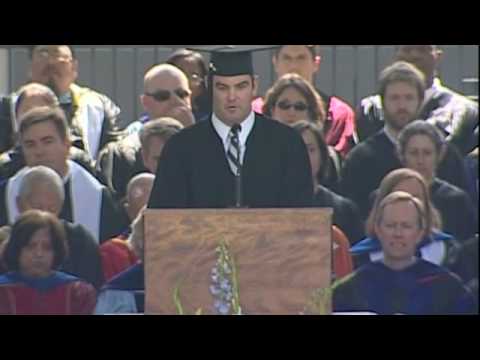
(402, 92)
(166, 94)
(402, 89)
(454, 114)
(91, 116)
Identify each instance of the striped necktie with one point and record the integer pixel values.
(234, 151)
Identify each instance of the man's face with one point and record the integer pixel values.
(401, 104)
(424, 57)
(42, 198)
(295, 59)
(36, 258)
(168, 95)
(151, 155)
(399, 231)
(42, 145)
(232, 97)
(54, 66)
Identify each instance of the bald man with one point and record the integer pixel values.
(166, 93)
(117, 254)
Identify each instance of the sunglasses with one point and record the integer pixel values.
(165, 95)
(298, 106)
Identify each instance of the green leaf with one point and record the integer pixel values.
(176, 299)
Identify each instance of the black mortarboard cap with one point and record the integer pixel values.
(231, 60)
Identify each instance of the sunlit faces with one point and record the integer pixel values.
(42, 145)
(401, 104)
(165, 92)
(421, 155)
(399, 231)
(290, 107)
(54, 66)
(232, 97)
(296, 59)
(42, 197)
(36, 258)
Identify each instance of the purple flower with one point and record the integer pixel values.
(214, 290)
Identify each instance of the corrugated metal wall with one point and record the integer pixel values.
(349, 71)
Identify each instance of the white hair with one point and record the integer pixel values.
(41, 175)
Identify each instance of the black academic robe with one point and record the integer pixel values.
(345, 212)
(193, 171)
(83, 258)
(119, 162)
(112, 219)
(421, 289)
(451, 112)
(456, 208)
(368, 163)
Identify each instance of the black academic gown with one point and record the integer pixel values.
(368, 163)
(459, 216)
(83, 258)
(345, 212)
(461, 127)
(113, 220)
(193, 171)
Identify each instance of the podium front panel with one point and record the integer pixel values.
(280, 260)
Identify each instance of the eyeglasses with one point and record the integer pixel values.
(298, 106)
(165, 95)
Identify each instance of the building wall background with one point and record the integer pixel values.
(348, 71)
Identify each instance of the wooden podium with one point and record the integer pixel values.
(281, 259)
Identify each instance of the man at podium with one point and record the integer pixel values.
(238, 158)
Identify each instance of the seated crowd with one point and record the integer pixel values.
(400, 176)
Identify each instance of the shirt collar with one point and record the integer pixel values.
(390, 136)
(223, 130)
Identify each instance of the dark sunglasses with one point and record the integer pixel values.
(164, 95)
(298, 106)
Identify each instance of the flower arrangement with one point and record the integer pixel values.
(224, 282)
(224, 288)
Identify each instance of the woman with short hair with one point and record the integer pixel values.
(35, 249)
